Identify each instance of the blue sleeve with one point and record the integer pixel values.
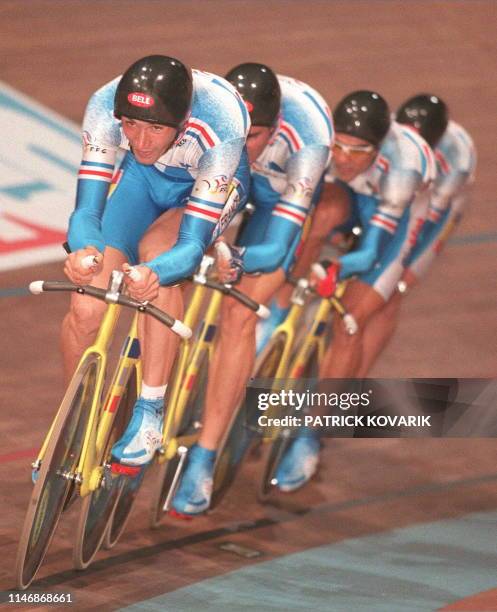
(304, 172)
(398, 189)
(185, 256)
(432, 227)
(101, 139)
(370, 251)
(202, 213)
(84, 223)
(268, 255)
(427, 235)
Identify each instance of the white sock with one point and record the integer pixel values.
(152, 393)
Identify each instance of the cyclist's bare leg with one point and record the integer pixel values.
(343, 356)
(81, 323)
(158, 343)
(332, 210)
(381, 328)
(234, 356)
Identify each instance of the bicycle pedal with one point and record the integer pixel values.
(125, 470)
(178, 515)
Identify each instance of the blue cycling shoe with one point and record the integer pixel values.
(143, 435)
(193, 495)
(299, 463)
(266, 327)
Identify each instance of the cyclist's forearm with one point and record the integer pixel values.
(362, 260)
(310, 253)
(85, 230)
(428, 234)
(179, 262)
(269, 254)
(84, 224)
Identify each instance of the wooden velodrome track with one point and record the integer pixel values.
(59, 53)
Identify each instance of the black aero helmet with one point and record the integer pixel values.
(363, 114)
(157, 89)
(428, 114)
(260, 90)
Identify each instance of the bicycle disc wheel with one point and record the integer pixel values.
(98, 506)
(128, 492)
(192, 414)
(52, 487)
(279, 445)
(243, 428)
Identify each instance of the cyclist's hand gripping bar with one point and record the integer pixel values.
(227, 289)
(89, 261)
(303, 287)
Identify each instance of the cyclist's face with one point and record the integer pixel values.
(352, 156)
(257, 140)
(148, 141)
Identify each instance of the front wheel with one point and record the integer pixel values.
(98, 506)
(55, 480)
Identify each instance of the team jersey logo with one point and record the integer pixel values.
(139, 99)
(219, 184)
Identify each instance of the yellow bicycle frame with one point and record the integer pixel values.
(316, 332)
(188, 370)
(89, 471)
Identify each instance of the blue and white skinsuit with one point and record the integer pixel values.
(205, 172)
(456, 163)
(390, 202)
(286, 178)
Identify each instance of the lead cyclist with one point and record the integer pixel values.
(184, 176)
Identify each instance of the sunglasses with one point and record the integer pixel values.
(353, 150)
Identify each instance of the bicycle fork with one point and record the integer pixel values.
(99, 348)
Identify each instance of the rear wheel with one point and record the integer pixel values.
(55, 484)
(99, 505)
(243, 428)
(129, 488)
(192, 415)
(306, 370)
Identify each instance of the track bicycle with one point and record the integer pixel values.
(304, 365)
(283, 358)
(183, 419)
(74, 458)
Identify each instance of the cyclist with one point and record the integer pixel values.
(380, 176)
(184, 175)
(455, 157)
(288, 148)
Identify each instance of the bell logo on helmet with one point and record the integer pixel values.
(139, 99)
(249, 105)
